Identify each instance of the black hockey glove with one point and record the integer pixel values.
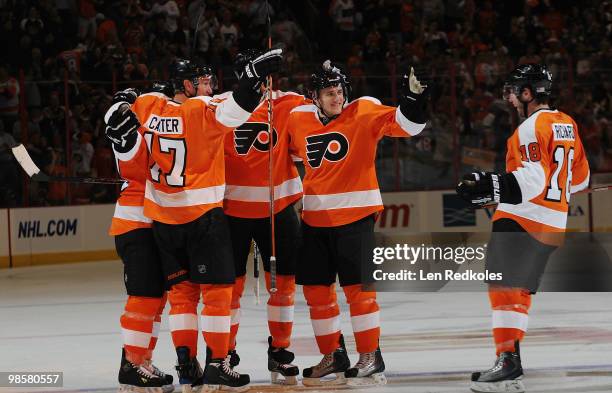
(485, 188)
(122, 128)
(414, 98)
(127, 95)
(253, 75)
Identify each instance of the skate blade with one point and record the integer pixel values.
(363, 382)
(137, 389)
(510, 386)
(168, 388)
(187, 388)
(278, 379)
(235, 389)
(339, 380)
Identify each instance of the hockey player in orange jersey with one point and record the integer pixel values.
(143, 276)
(545, 164)
(247, 206)
(183, 197)
(337, 142)
(192, 80)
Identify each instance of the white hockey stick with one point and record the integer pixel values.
(23, 158)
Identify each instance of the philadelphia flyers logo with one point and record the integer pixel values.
(332, 146)
(252, 135)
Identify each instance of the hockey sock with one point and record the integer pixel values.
(280, 309)
(183, 319)
(365, 317)
(157, 323)
(324, 316)
(137, 325)
(510, 316)
(237, 291)
(215, 317)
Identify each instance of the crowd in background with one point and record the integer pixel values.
(65, 58)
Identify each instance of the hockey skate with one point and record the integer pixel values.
(234, 358)
(166, 378)
(279, 363)
(504, 377)
(368, 371)
(137, 379)
(219, 375)
(336, 363)
(189, 371)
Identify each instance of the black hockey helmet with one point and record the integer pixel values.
(535, 77)
(329, 75)
(163, 87)
(243, 57)
(184, 69)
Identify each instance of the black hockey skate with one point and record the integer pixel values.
(167, 378)
(504, 377)
(279, 363)
(137, 379)
(219, 375)
(336, 363)
(234, 358)
(189, 371)
(368, 371)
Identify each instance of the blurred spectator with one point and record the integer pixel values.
(9, 180)
(9, 97)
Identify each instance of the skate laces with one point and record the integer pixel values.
(365, 359)
(142, 370)
(227, 368)
(327, 361)
(154, 370)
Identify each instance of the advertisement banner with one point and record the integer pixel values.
(61, 234)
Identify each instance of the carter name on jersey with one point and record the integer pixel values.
(165, 125)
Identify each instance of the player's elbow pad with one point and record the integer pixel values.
(510, 191)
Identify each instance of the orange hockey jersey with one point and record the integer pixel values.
(186, 167)
(340, 185)
(247, 158)
(547, 158)
(132, 167)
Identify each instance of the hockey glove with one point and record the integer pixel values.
(485, 188)
(252, 75)
(127, 95)
(415, 95)
(122, 128)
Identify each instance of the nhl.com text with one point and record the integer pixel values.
(404, 253)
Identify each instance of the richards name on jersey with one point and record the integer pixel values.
(165, 125)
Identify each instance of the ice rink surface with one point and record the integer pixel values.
(66, 318)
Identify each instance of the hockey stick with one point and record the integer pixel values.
(24, 159)
(271, 164)
(256, 257)
(197, 28)
(589, 190)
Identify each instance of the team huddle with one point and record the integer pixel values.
(197, 195)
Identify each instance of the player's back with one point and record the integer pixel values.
(132, 167)
(548, 160)
(247, 160)
(186, 161)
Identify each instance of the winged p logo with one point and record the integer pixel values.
(254, 135)
(332, 146)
